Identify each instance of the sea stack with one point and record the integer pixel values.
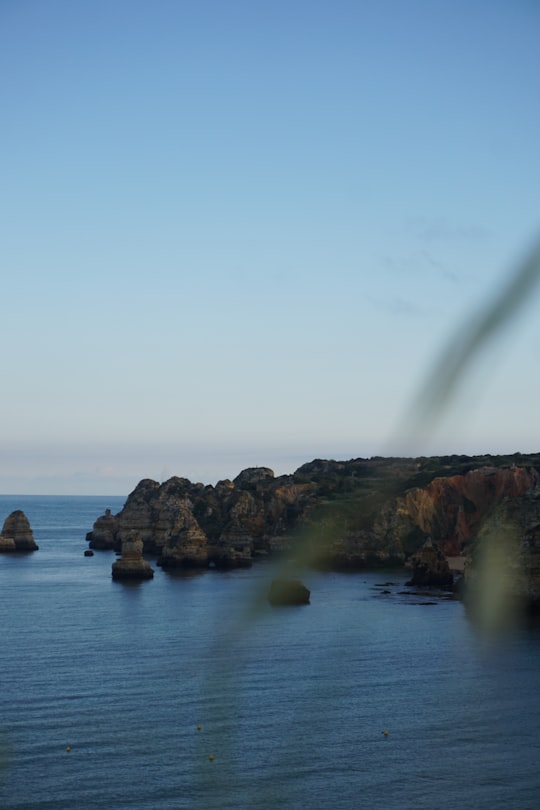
(132, 565)
(17, 534)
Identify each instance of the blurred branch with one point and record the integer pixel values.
(454, 362)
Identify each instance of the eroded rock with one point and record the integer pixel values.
(132, 565)
(17, 534)
(431, 568)
(186, 545)
(349, 515)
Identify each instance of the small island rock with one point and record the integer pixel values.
(16, 533)
(288, 592)
(132, 565)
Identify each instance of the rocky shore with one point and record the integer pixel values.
(339, 515)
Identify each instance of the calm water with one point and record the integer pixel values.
(292, 702)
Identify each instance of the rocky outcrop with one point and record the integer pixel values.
(17, 534)
(132, 565)
(103, 534)
(431, 568)
(345, 515)
(192, 525)
(185, 545)
(288, 592)
(252, 476)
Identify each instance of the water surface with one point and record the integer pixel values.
(292, 702)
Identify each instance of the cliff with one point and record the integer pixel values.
(502, 572)
(189, 525)
(340, 515)
(449, 510)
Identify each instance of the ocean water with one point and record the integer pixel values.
(103, 686)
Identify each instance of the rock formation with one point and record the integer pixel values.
(185, 543)
(103, 534)
(449, 510)
(339, 515)
(187, 524)
(506, 558)
(431, 568)
(132, 565)
(288, 592)
(17, 534)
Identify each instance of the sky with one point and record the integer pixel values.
(241, 233)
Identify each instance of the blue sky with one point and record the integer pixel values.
(239, 233)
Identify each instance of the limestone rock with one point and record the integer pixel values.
(17, 534)
(252, 476)
(350, 515)
(188, 524)
(185, 546)
(7, 544)
(102, 536)
(288, 592)
(234, 548)
(132, 565)
(431, 568)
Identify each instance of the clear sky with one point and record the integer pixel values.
(238, 232)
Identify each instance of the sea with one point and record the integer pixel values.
(191, 691)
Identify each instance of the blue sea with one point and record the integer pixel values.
(192, 692)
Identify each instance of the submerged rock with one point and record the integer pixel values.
(17, 534)
(288, 592)
(132, 565)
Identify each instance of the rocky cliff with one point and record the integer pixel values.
(448, 510)
(502, 572)
(339, 515)
(192, 525)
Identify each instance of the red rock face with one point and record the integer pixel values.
(451, 509)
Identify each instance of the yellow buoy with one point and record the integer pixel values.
(386, 733)
(211, 757)
(68, 748)
(199, 728)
